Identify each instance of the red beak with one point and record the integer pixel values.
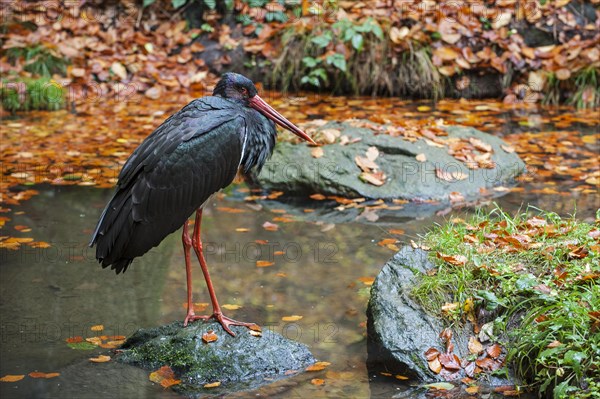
(261, 106)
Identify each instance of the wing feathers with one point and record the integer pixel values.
(172, 173)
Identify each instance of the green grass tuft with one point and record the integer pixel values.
(26, 94)
(537, 277)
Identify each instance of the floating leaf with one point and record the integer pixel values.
(164, 376)
(100, 359)
(38, 374)
(291, 318)
(264, 263)
(318, 366)
(231, 306)
(12, 378)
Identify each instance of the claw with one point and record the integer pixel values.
(191, 316)
(223, 320)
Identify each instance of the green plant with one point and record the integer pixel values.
(542, 289)
(552, 90)
(586, 88)
(39, 60)
(31, 94)
(344, 31)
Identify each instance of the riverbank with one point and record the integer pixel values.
(511, 51)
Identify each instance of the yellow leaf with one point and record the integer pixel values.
(291, 318)
(98, 327)
(212, 384)
(100, 359)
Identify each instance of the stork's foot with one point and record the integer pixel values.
(225, 322)
(191, 316)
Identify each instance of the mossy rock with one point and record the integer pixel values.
(238, 363)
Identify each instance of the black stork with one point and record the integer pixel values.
(192, 155)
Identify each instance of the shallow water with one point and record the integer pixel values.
(50, 294)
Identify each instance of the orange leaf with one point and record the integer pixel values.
(98, 327)
(435, 365)
(367, 280)
(396, 231)
(12, 378)
(38, 374)
(230, 210)
(386, 241)
(212, 384)
(475, 346)
(318, 366)
(494, 350)
(164, 376)
(450, 361)
(317, 381)
(264, 263)
(209, 336)
(100, 359)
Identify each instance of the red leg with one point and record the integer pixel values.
(217, 314)
(187, 245)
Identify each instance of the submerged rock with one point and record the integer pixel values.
(238, 363)
(433, 176)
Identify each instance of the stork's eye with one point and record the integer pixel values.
(244, 91)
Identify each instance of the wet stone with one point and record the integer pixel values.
(293, 169)
(239, 363)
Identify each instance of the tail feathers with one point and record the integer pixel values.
(118, 266)
(113, 232)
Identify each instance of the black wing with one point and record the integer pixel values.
(192, 155)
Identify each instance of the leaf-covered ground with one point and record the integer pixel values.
(121, 48)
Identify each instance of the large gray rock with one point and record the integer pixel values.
(400, 332)
(398, 329)
(293, 170)
(239, 363)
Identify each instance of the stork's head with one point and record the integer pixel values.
(238, 87)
